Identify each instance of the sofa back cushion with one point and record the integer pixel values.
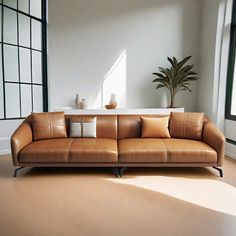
(187, 125)
(106, 125)
(155, 127)
(129, 126)
(48, 125)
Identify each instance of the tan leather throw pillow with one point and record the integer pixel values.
(186, 125)
(48, 125)
(155, 127)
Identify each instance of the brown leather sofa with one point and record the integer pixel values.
(118, 145)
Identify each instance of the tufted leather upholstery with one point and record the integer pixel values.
(187, 125)
(21, 138)
(212, 136)
(70, 150)
(185, 150)
(49, 125)
(118, 142)
(49, 150)
(93, 150)
(142, 150)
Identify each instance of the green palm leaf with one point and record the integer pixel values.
(176, 78)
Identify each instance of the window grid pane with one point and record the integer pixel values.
(37, 67)
(0, 23)
(37, 102)
(11, 63)
(35, 8)
(9, 26)
(23, 5)
(36, 35)
(25, 70)
(1, 88)
(21, 79)
(10, 3)
(24, 30)
(12, 100)
(26, 99)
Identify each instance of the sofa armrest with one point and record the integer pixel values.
(214, 138)
(20, 138)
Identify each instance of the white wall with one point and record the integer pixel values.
(87, 37)
(7, 127)
(215, 37)
(206, 83)
(214, 46)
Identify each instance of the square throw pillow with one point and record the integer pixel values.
(75, 129)
(187, 125)
(89, 127)
(85, 128)
(155, 127)
(48, 125)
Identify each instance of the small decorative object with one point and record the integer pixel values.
(108, 106)
(113, 102)
(176, 78)
(77, 101)
(83, 104)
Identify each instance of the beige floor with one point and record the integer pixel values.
(91, 202)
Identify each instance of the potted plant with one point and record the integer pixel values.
(176, 78)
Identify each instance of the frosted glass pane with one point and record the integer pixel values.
(26, 100)
(0, 23)
(23, 5)
(24, 30)
(10, 26)
(37, 98)
(35, 8)
(1, 88)
(1, 101)
(233, 101)
(36, 34)
(25, 72)
(11, 3)
(37, 67)
(12, 100)
(11, 63)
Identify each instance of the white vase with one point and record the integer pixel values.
(77, 101)
(113, 101)
(83, 104)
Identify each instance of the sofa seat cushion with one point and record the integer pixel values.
(50, 150)
(185, 150)
(142, 150)
(93, 150)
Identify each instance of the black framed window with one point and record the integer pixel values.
(23, 58)
(230, 107)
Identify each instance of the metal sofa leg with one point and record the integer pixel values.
(220, 170)
(122, 170)
(115, 170)
(17, 169)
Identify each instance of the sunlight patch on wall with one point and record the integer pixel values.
(98, 100)
(115, 82)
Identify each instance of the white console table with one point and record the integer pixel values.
(118, 111)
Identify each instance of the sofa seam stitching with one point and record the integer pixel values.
(68, 149)
(167, 152)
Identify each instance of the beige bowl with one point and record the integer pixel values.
(108, 106)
